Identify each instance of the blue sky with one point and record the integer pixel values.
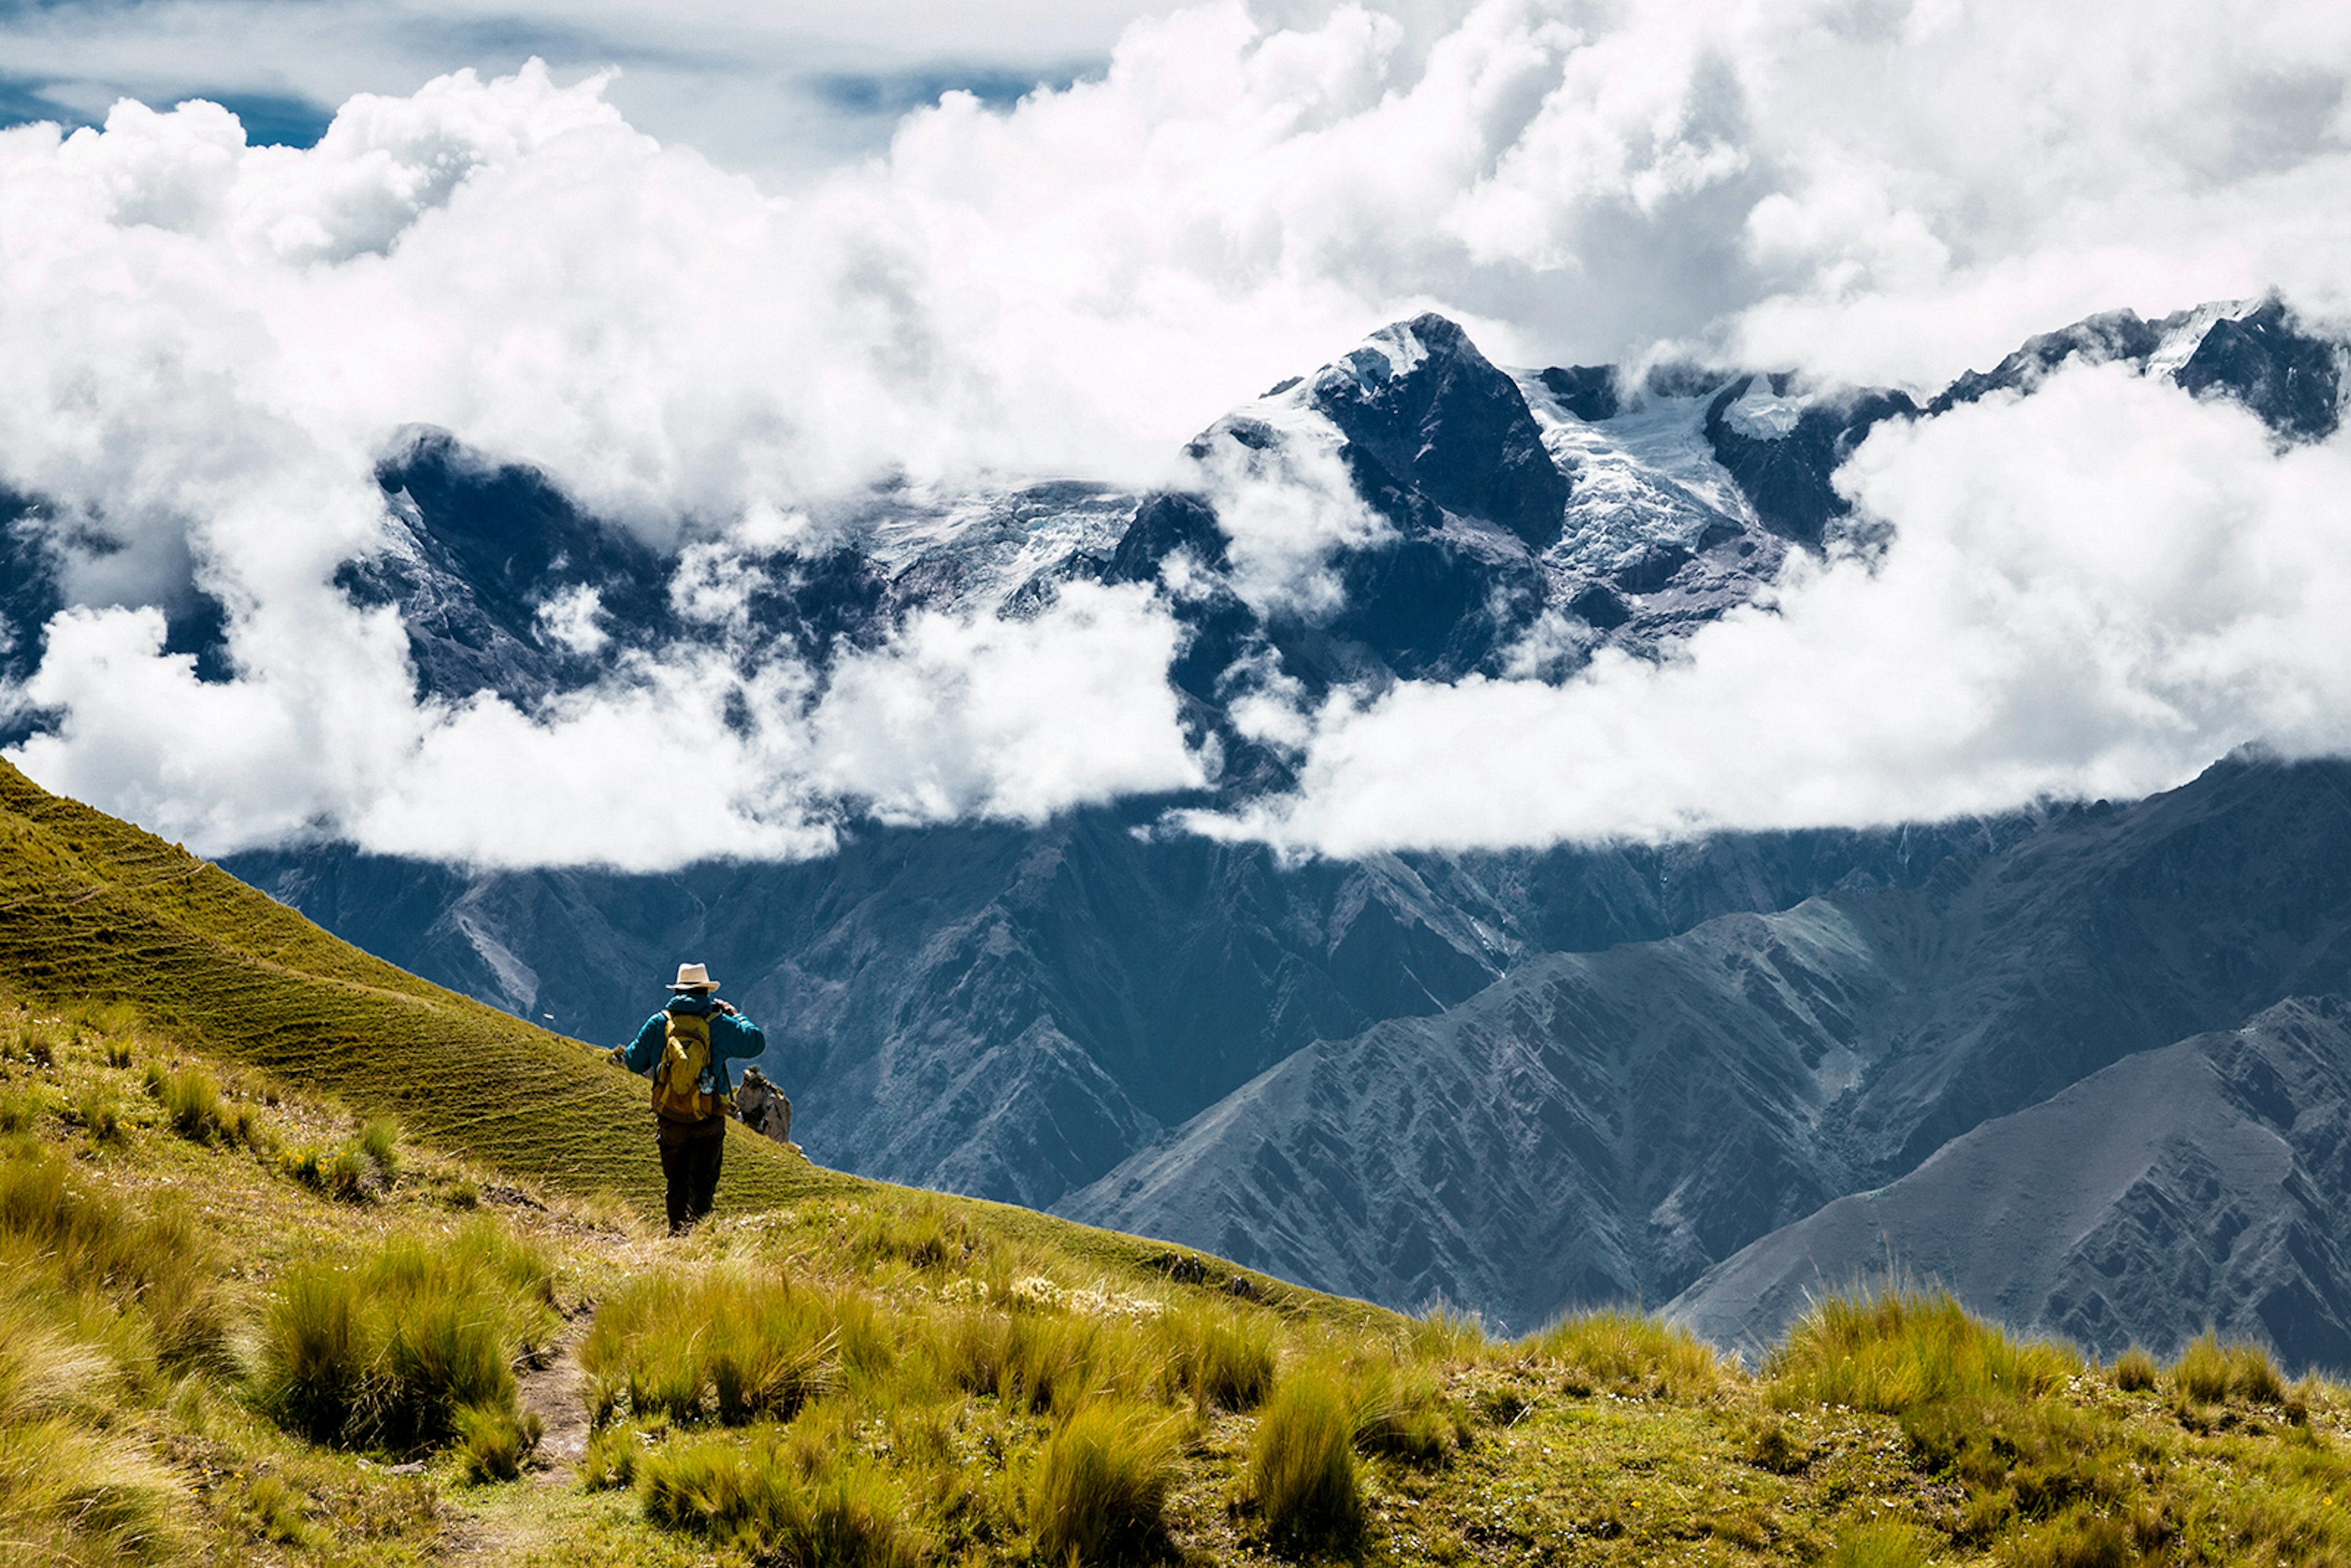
(784, 87)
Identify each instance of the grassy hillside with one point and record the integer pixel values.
(304, 1260)
(93, 909)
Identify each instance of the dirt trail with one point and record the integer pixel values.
(556, 1395)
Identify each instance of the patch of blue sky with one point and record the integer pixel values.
(273, 119)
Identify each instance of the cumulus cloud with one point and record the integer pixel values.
(1010, 718)
(1286, 504)
(2091, 592)
(204, 345)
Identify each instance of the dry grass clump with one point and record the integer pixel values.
(1882, 1546)
(1039, 1362)
(1629, 1353)
(54, 1226)
(70, 1496)
(38, 1040)
(2134, 1371)
(1895, 1350)
(2209, 1371)
(388, 1352)
(1222, 1357)
(1400, 1413)
(378, 1141)
(20, 1109)
(194, 1105)
(1101, 1492)
(1442, 1333)
(2076, 1538)
(494, 1441)
(95, 1296)
(777, 1500)
(1302, 1472)
(97, 1109)
(922, 1232)
(726, 1345)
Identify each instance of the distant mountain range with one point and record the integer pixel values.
(1520, 1080)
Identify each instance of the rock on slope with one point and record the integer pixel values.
(2202, 1183)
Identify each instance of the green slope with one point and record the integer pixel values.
(92, 907)
(841, 1365)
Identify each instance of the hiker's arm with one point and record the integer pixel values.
(742, 1037)
(639, 1054)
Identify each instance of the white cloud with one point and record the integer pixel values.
(203, 345)
(2094, 592)
(1008, 718)
(575, 620)
(1285, 505)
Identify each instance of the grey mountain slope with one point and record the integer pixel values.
(1648, 1110)
(2204, 1182)
(1533, 1145)
(1011, 1012)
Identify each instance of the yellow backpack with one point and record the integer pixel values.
(678, 1093)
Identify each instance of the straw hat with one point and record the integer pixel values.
(694, 977)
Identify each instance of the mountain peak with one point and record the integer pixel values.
(1422, 403)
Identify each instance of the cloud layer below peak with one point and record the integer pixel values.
(207, 346)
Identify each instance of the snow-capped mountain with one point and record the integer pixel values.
(1520, 1080)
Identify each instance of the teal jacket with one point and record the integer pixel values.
(731, 1036)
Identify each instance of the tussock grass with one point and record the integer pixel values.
(725, 1344)
(2209, 1371)
(56, 1226)
(1223, 1356)
(1628, 1353)
(922, 1232)
(1401, 1412)
(2077, 1539)
(493, 1441)
(379, 1141)
(1442, 1333)
(70, 1496)
(97, 1109)
(2134, 1371)
(38, 1040)
(1303, 1471)
(95, 1297)
(762, 1493)
(1039, 1362)
(342, 1172)
(20, 1109)
(1882, 1546)
(1894, 1350)
(386, 1353)
(1101, 1486)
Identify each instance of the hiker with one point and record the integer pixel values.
(685, 1046)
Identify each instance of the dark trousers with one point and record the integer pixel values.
(690, 1154)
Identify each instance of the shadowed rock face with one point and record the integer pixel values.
(2200, 1183)
(1787, 479)
(2294, 382)
(1451, 427)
